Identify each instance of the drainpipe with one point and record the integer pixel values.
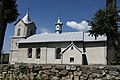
(61, 58)
(46, 53)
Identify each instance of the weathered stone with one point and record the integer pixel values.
(70, 74)
(77, 73)
(63, 72)
(103, 73)
(1, 76)
(67, 67)
(60, 67)
(117, 78)
(113, 73)
(67, 72)
(46, 72)
(55, 78)
(47, 67)
(4, 68)
(94, 75)
(88, 72)
(53, 70)
(78, 68)
(90, 77)
(76, 77)
(108, 76)
(44, 77)
(83, 78)
(84, 69)
(31, 76)
(73, 68)
(38, 77)
(101, 67)
(93, 69)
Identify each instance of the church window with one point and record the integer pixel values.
(38, 50)
(58, 51)
(30, 53)
(18, 32)
(72, 48)
(71, 59)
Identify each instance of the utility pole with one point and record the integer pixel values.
(111, 4)
(2, 55)
(1, 23)
(111, 7)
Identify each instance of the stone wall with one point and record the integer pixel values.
(59, 72)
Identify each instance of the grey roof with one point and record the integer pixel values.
(67, 36)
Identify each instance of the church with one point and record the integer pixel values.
(55, 48)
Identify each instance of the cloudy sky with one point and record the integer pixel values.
(73, 13)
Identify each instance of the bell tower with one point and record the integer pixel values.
(58, 25)
(24, 28)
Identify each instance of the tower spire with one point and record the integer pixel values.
(58, 25)
(26, 19)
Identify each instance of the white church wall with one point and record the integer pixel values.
(13, 56)
(68, 54)
(51, 47)
(96, 55)
(23, 57)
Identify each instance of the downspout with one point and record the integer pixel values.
(46, 53)
(61, 58)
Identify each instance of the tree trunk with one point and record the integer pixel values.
(110, 48)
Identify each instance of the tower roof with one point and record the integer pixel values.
(58, 21)
(26, 19)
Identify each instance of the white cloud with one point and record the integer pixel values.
(44, 30)
(82, 26)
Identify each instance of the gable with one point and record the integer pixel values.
(72, 45)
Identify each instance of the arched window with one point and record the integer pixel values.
(29, 52)
(18, 32)
(57, 53)
(38, 51)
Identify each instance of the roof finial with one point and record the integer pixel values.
(26, 19)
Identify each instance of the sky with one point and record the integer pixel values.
(44, 13)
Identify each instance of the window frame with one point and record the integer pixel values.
(18, 32)
(58, 53)
(38, 53)
(72, 59)
(29, 54)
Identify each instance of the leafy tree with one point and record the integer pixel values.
(8, 14)
(104, 23)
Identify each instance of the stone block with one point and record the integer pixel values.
(60, 67)
(63, 72)
(55, 78)
(47, 67)
(77, 73)
(113, 73)
(45, 77)
(76, 77)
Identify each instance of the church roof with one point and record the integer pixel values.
(26, 19)
(67, 36)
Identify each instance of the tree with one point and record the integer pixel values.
(104, 23)
(9, 12)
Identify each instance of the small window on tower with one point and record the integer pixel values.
(18, 32)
